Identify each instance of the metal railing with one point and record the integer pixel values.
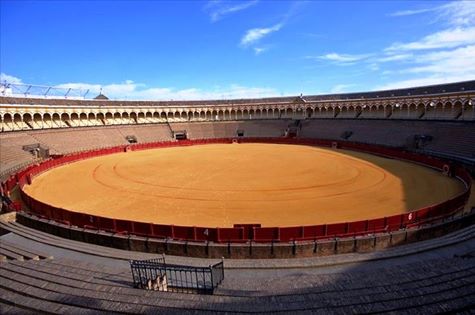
(155, 274)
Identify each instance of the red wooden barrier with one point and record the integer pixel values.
(162, 231)
(336, 228)
(123, 226)
(106, 224)
(377, 224)
(314, 231)
(231, 234)
(291, 233)
(357, 227)
(184, 232)
(243, 233)
(266, 234)
(141, 228)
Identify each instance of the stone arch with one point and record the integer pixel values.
(74, 119)
(343, 111)
(336, 111)
(37, 121)
(133, 117)
(83, 119)
(28, 120)
(309, 112)
(108, 118)
(7, 122)
(17, 121)
(65, 116)
(289, 112)
(227, 114)
(100, 116)
(117, 118)
(47, 120)
(57, 123)
(468, 108)
(239, 114)
(141, 118)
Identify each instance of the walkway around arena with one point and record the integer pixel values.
(440, 279)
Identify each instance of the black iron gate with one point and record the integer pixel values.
(155, 274)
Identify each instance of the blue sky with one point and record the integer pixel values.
(231, 49)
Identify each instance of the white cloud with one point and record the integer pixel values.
(131, 90)
(259, 50)
(374, 67)
(459, 61)
(412, 12)
(217, 9)
(446, 55)
(343, 57)
(430, 80)
(397, 57)
(437, 67)
(119, 89)
(455, 13)
(340, 59)
(341, 88)
(448, 38)
(458, 13)
(135, 91)
(9, 79)
(255, 34)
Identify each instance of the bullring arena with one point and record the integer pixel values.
(342, 203)
(219, 185)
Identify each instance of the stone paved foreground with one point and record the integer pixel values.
(435, 281)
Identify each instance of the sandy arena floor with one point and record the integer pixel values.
(224, 184)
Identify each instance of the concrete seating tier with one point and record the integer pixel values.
(447, 137)
(12, 251)
(11, 152)
(71, 286)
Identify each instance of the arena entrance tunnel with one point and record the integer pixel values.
(245, 239)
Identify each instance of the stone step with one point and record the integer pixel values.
(337, 298)
(25, 252)
(21, 252)
(87, 248)
(9, 309)
(47, 294)
(36, 304)
(10, 255)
